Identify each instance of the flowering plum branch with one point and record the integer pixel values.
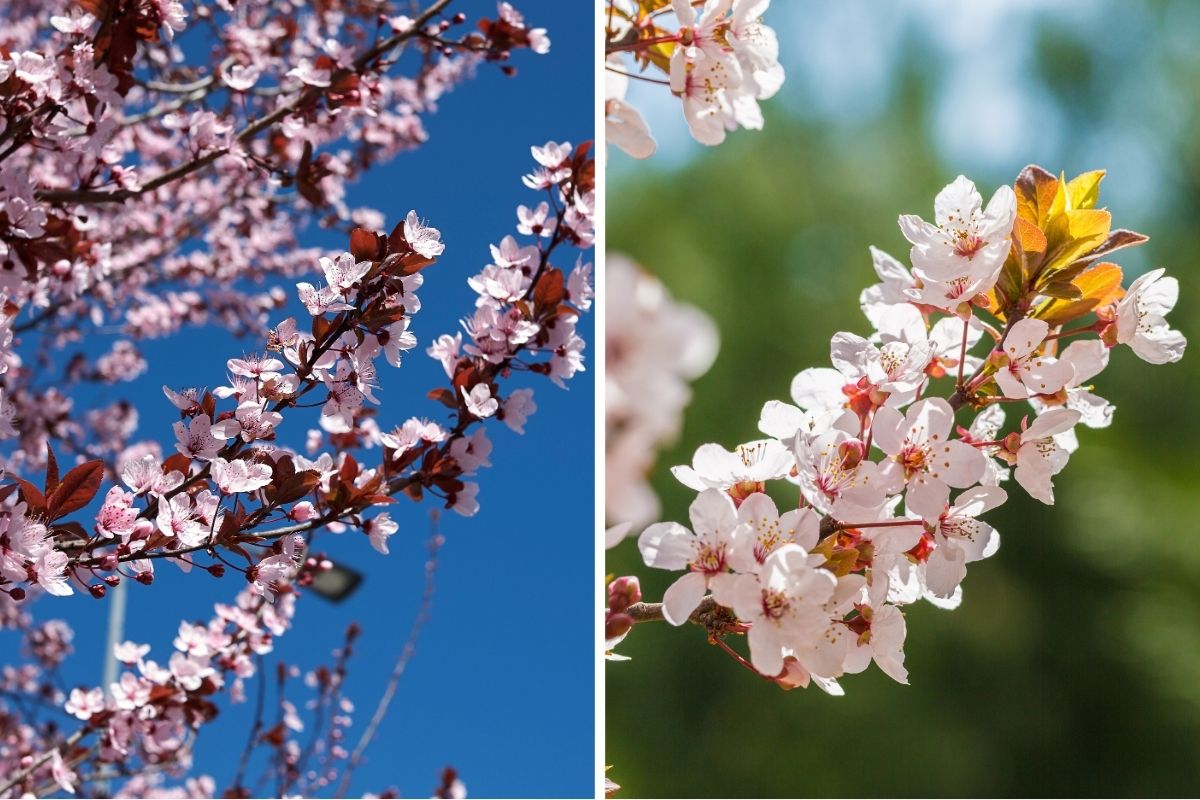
(717, 57)
(891, 488)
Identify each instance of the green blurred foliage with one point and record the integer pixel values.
(1073, 666)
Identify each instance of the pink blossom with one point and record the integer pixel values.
(239, 475)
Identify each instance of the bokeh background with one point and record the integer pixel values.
(1073, 666)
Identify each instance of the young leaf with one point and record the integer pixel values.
(77, 489)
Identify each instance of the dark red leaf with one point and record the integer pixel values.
(549, 290)
(177, 463)
(51, 469)
(33, 495)
(444, 396)
(77, 489)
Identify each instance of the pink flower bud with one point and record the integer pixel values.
(851, 452)
(793, 676)
(302, 512)
(624, 592)
(616, 625)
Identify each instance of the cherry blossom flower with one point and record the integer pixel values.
(479, 400)
(920, 450)
(117, 516)
(1141, 319)
(960, 536)
(772, 530)
(740, 472)
(1027, 373)
(835, 475)
(517, 408)
(241, 77)
(847, 533)
(177, 518)
(309, 74)
(196, 440)
(422, 238)
(344, 273)
(881, 641)
(239, 475)
(1087, 359)
(84, 704)
(1039, 457)
(379, 530)
(782, 603)
(706, 551)
(967, 240)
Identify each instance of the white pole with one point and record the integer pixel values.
(116, 632)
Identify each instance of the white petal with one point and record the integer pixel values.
(682, 597)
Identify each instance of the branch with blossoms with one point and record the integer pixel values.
(234, 499)
(158, 158)
(716, 57)
(890, 485)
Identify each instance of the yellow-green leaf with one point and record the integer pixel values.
(1084, 190)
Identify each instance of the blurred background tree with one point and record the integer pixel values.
(1073, 666)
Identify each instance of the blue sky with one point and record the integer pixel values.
(501, 686)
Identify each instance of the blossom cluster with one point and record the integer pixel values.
(719, 60)
(231, 478)
(891, 484)
(654, 346)
(230, 475)
(158, 159)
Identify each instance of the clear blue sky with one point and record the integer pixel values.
(502, 683)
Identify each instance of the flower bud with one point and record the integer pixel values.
(793, 676)
(109, 562)
(145, 578)
(112, 580)
(616, 625)
(851, 453)
(624, 592)
(216, 570)
(17, 593)
(98, 590)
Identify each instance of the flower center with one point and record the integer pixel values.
(774, 603)
(709, 560)
(914, 458)
(967, 244)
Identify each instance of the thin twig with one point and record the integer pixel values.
(20, 776)
(435, 543)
